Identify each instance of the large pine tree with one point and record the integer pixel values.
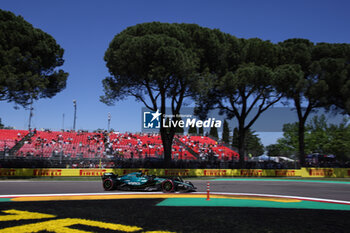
(214, 132)
(226, 133)
(192, 130)
(28, 61)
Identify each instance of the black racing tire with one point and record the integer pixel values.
(108, 184)
(168, 186)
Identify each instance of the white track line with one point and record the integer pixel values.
(150, 193)
(286, 196)
(46, 181)
(75, 194)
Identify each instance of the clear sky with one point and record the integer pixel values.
(85, 28)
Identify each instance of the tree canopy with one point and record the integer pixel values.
(28, 61)
(159, 63)
(162, 64)
(259, 74)
(201, 131)
(252, 142)
(311, 75)
(333, 66)
(320, 137)
(192, 130)
(226, 132)
(213, 132)
(246, 88)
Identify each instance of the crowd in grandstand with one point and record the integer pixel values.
(84, 149)
(71, 144)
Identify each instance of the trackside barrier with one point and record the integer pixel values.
(303, 172)
(325, 172)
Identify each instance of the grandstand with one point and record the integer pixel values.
(88, 145)
(205, 146)
(9, 138)
(69, 144)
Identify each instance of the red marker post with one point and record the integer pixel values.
(208, 191)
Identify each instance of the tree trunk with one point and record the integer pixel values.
(167, 136)
(301, 135)
(301, 129)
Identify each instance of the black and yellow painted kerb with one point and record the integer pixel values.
(52, 224)
(159, 212)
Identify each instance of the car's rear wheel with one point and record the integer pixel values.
(108, 184)
(168, 186)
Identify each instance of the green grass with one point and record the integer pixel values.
(221, 202)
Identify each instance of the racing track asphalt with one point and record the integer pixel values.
(336, 191)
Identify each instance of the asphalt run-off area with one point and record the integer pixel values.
(234, 205)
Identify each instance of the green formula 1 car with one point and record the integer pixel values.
(137, 181)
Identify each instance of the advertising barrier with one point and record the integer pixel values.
(47, 172)
(303, 172)
(325, 172)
